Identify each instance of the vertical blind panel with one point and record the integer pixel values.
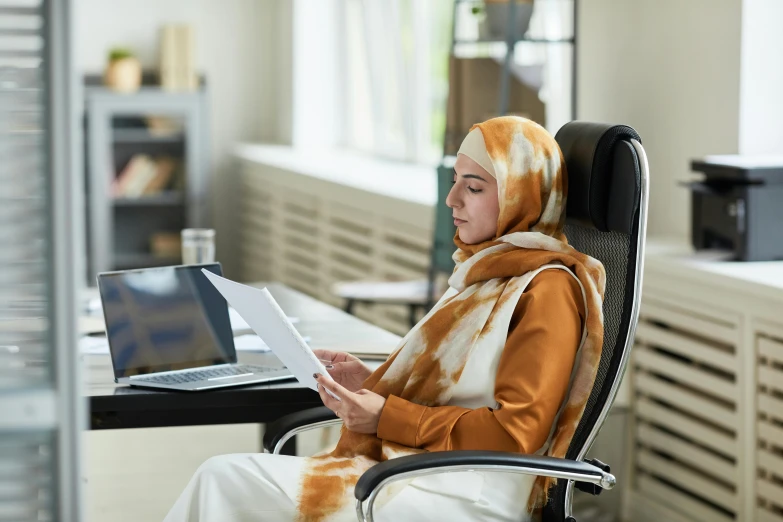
(26, 472)
(28, 456)
(25, 351)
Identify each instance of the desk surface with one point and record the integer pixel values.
(114, 406)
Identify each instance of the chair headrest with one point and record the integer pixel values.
(603, 174)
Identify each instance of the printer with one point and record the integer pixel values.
(738, 206)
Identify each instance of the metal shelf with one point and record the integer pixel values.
(529, 40)
(164, 199)
(145, 136)
(143, 260)
(21, 10)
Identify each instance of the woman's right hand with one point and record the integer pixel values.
(349, 371)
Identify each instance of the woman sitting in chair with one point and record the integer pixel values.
(505, 361)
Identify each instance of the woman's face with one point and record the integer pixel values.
(474, 201)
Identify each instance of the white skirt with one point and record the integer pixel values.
(258, 487)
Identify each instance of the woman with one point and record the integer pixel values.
(504, 361)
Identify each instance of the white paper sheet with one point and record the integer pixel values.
(267, 319)
(253, 343)
(239, 325)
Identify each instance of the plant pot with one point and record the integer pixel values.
(123, 75)
(495, 23)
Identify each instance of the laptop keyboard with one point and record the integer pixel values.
(203, 375)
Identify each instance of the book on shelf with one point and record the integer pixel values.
(144, 176)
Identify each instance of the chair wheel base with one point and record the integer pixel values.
(570, 519)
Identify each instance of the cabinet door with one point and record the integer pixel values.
(310, 234)
(686, 410)
(769, 426)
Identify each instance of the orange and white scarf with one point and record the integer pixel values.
(485, 288)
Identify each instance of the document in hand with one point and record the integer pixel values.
(267, 319)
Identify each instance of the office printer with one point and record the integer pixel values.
(739, 206)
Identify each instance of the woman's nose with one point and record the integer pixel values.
(452, 201)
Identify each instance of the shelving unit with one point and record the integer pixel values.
(511, 41)
(120, 229)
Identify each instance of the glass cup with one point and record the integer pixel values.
(198, 246)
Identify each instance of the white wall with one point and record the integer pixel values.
(235, 49)
(670, 69)
(761, 91)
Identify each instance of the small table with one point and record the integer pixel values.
(114, 406)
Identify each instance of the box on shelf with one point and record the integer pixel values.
(474, 89)
(177, 63)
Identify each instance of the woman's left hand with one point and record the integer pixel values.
(360, 411)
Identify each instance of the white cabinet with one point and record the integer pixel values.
(311, 221)
(706, 377)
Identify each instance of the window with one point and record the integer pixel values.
(395, 62)
(372, 76)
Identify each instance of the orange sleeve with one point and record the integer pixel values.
(531, 383)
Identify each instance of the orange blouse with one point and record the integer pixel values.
(531, 383)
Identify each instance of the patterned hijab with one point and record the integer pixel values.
(532, 187)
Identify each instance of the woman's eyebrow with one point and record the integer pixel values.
(474, 176)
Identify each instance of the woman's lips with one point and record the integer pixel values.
(458, 222)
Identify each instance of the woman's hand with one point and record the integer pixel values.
(360, 411)
(349, 371)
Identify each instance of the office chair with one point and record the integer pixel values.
(606, 218)
(417, 294)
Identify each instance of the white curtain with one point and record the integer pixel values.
(387, 81)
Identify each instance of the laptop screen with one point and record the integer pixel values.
(161, 319)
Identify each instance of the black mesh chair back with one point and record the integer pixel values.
(606, 216)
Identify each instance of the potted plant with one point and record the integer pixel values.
(495, 19)
(123, 71)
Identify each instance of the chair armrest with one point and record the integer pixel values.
(277, 433)
(381, 474)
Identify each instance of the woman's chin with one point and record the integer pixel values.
(466, 237)
(472, 239)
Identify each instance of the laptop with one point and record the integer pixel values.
(169, 328)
